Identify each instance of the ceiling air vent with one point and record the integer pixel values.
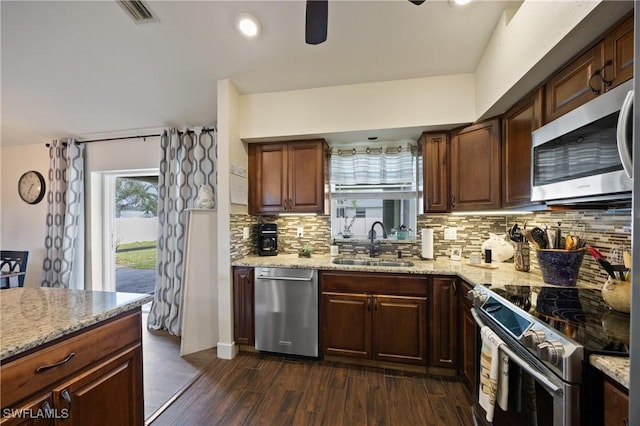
(138, 11)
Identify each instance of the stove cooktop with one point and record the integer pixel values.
(579, 313)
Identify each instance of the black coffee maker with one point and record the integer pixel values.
(267, 239)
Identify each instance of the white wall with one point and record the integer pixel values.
(382, 105)
(22, 226)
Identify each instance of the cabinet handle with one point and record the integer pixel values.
(290, 204)
(46, 408)
(593, 89)
(375, 304)
(453, 200)
(285, 204)
(57, 364)
(67, 397)
(368, 303)
(604, 80)
(625, 421)
(455, 289)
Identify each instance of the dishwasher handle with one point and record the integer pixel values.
(277, 278)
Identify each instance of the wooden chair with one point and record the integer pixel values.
(13, 261)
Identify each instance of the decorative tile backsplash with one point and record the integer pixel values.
(603, 229)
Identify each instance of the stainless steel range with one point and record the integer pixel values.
(548, 334)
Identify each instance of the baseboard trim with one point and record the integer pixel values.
(227, 350)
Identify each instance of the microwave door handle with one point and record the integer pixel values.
(539, 377)
(624, 145)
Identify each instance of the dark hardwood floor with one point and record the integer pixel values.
(254, 389)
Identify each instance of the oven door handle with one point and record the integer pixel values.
(276, 278)
(540, 378)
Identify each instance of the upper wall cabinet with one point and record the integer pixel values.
(475, 167)
(601, 68)
(287, 177)
(436, 179)
(517, 125)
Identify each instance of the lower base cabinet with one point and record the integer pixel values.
(243, 305)
(380, 317)
(616, 404)
(91, 378)
(468, 341)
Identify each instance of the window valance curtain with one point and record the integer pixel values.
(391, 164)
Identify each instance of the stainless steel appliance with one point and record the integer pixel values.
(267, 239)
(286, 311)
(549, 332)
(578, 157)
(634, 374)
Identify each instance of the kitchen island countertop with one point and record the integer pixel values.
(33, 316)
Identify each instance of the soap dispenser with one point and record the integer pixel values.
(334, 248)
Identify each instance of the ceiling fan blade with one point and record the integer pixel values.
(417, 2)
(316, 23)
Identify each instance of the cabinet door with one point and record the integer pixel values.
(268, 178)
(618, 47)
(306, 177)
(38, 411)
(243, 310)
(436, 179)
(107, 394)
(444, 318)
(475, 167)
(616, 404)
(572, 86)
(346, 324)
(399, 327)
(467, 341)
(518, 123)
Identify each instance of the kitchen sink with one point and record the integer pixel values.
(371, 262)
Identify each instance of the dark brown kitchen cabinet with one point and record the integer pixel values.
(379, 317)
(517, 125)
(476, 167)
(435, 169)
(618, 47)
(468, 340)
(616, 404)
(444, 322)
(287, 177)
(575, 84)
(93, 377)
(243, 310)
(39, 405)
(604, 66)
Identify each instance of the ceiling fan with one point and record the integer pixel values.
(316, 22)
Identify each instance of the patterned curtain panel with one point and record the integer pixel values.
(64, 244)
(188, 160)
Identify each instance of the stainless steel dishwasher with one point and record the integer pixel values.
(286, 311)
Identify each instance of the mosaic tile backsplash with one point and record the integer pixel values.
(603, 229)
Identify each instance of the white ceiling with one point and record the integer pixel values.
(83, 68)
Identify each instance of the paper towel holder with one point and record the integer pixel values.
(422, 243)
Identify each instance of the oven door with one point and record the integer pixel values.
(536, 395)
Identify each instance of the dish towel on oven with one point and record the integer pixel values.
(494, 373)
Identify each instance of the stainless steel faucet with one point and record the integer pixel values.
(373, 250)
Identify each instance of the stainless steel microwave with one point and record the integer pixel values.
(585, 155)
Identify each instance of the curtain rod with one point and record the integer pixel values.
(144, 137)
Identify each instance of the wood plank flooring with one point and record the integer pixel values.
(254, 389)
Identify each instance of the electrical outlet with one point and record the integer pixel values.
(300, 232)
(450, 233)
(245, 232)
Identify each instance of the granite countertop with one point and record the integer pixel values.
(615, 367)
(32, 316)
(500, 275)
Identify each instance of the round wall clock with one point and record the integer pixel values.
(31, 187)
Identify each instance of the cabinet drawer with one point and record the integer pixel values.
(21, 379)
(400, 284)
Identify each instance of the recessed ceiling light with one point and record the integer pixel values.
(372, 138)
(248, 24)
(459, 2)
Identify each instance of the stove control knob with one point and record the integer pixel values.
(551, 351)
(477, 297)
(533, 338)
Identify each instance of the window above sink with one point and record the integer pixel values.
(374, 182)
